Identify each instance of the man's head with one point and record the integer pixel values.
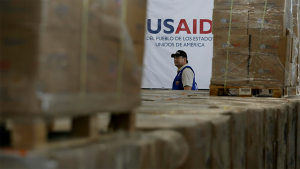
(180, 58)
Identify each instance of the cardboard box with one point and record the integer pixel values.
(139, 52)
(221, 19)
(272, 5)
(296, 18)
(273, 64)
(46, 68)
(136, 19)
(239, 45)
(41, 68)
(274, 24)
(226, 4)
(270, 46)
(237, 70)
(267, 71)
(109, 13)
(47, 14)
(62, 15)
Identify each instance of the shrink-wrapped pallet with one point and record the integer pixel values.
(273, 57)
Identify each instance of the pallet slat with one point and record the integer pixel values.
(219, 90)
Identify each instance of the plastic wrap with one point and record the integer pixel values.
(237, 71)
(226, 4)
(221, 22)
(63, 57)
(271, 58)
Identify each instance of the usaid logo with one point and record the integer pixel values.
(231, 45)
(262, 46)
(223, 20)
(168, 26)
(260, 21)
(261, 71)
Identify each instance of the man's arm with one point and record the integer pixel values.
(187, 88)
(187, 79)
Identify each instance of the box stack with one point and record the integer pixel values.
(266, 54)
(236, 71)
(70, 56)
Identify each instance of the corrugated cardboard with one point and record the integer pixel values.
(270, 61)
(237, 60)
(237, 71)
(270, 46)
(274, 5)
(45, 67)
(139, 51)
(267, 71)
(109, 13)
(136, 19)
(274, 24)
(296, 18)
(61, 15)
(48, 14)
(226, 4)
(239, 45)
(221, 19)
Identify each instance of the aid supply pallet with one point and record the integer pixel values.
(245, 91)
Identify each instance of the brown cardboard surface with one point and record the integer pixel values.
(275, 5)
(237, 73)
(139, 51)
(136, 19)
(48, 63)
(108, 13)
(267, 71)
(221, 20)
(269, 45)
(274, 23)
(279, 55)
(62, 15)
(296, 20)
(42, 51)
(239, 44)
(226, 4)
(54, 14)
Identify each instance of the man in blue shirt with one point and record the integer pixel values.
(185, 78)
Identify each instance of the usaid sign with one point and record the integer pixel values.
(177, 25)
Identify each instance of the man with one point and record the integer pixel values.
(185, 78)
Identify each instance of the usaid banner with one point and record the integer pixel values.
(173, 25)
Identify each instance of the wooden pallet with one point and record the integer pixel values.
(33, 133)
(244, 91)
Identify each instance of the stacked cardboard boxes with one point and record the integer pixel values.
(270, 58)
(237, 50)
(66, 56)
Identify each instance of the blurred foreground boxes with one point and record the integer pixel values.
(71, 57)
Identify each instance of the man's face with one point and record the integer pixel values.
(179, 61)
